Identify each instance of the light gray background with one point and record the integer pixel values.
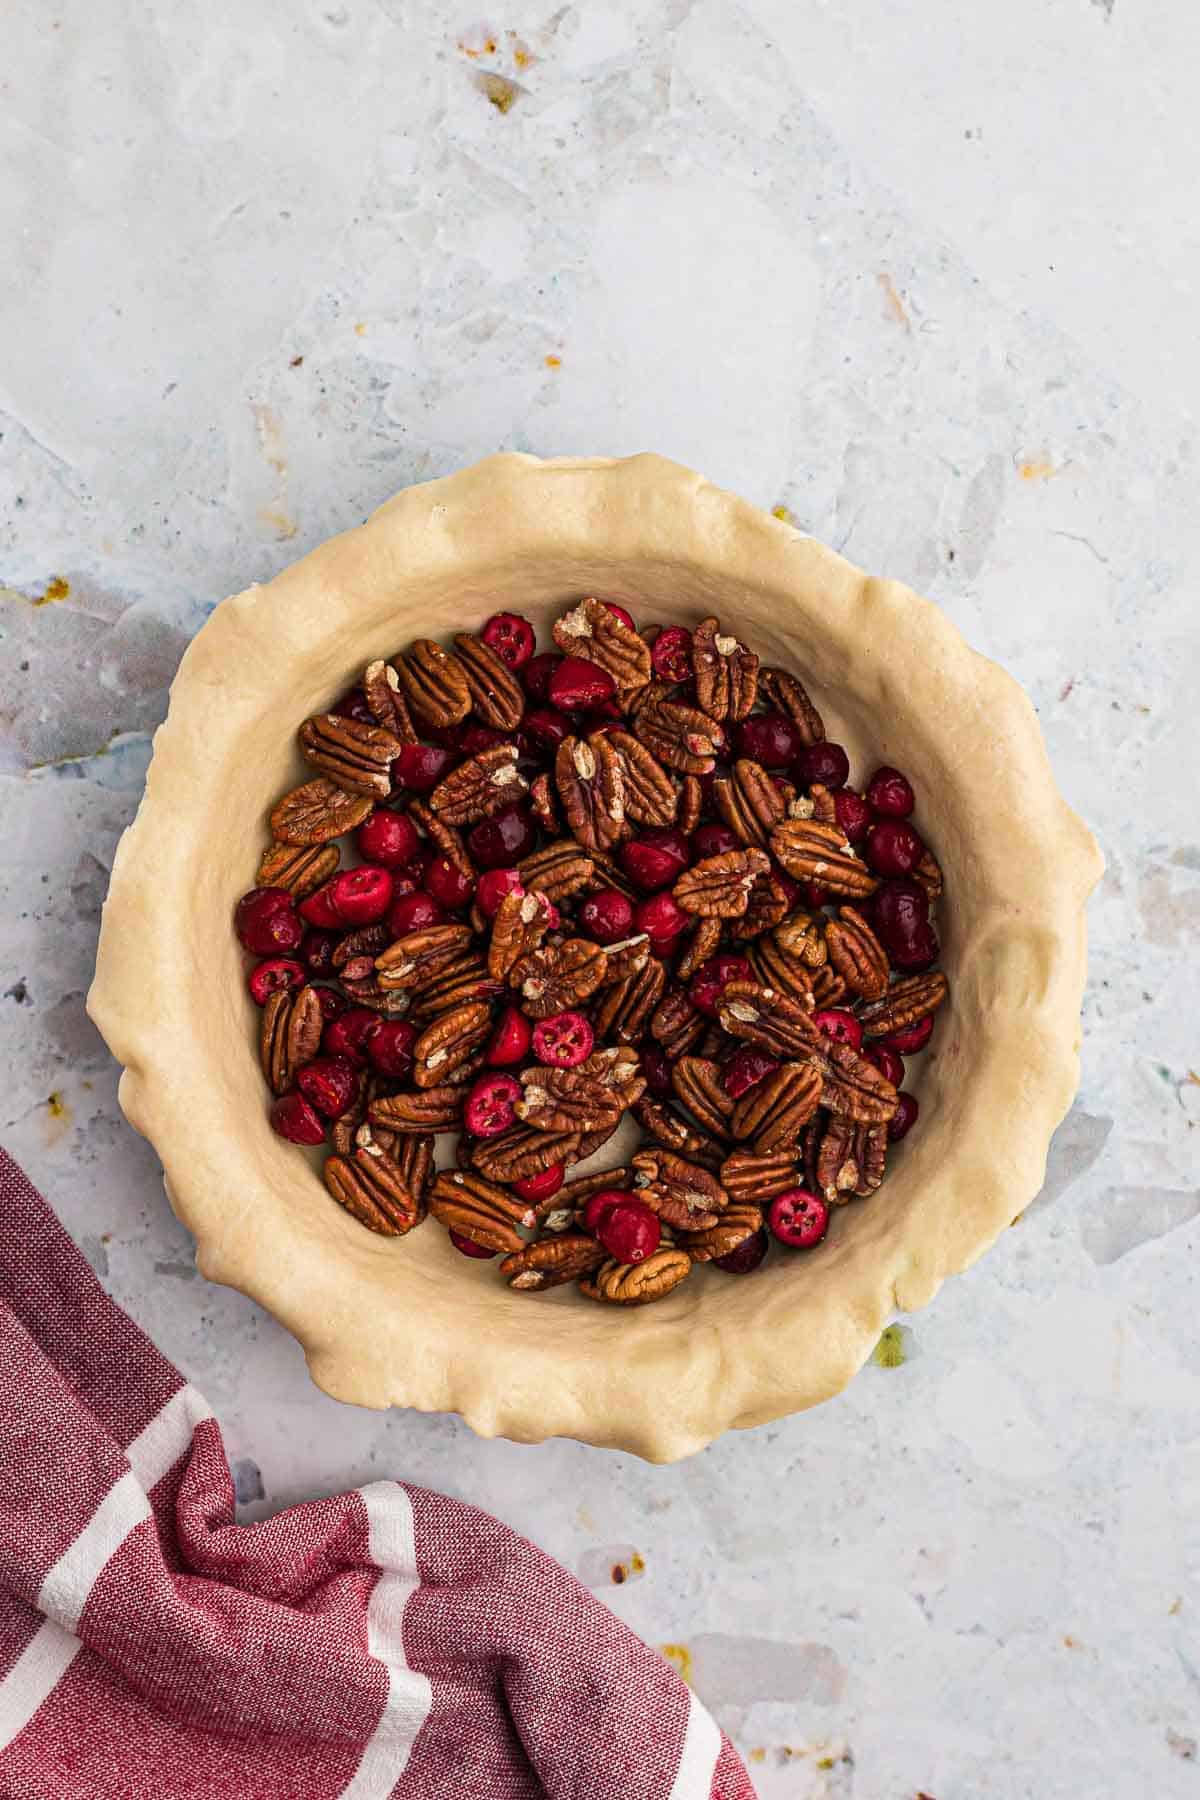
(926, 276)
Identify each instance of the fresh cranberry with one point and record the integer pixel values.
(663, 920)
(897, 908)
(412, 876)
(892, 847)
(655, 858)
(823, 762)
(798, 1218)
(317, 909)
(656, 1067)
(350, 1034)
(493, 887)
(445, 881)
(746, 1258)
(542, 1186)
(888, 1061)
(599, 1203)
(535, 676)
(542, 731)
(511, 637)
(390, 1049)
(266, 923)
(840, 1025)
(713, 840)
(769, 738)
(278, 975)
(745, 1069)
(474, 738)
(490, 1105)
(814, 895)
(577, 683)
(509, 1043)
(468, 1247)
(629, 1231)
(920, 953)
(502, 840)
(671, 654)
(329, 1083)
(853, 814)
(420, 767)
(911, 1039)
(414, 912)
(351, 898)
(890, 793)
(618, 612)
(563, 1041)
(317, 948)
(387, 838)
(791, 890)
(711, 979)
(904, 1117)
(294, 1119)
(606, 916)
(353, 705)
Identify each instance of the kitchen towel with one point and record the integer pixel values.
(386, 1642)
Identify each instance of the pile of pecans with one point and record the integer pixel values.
(626, 876)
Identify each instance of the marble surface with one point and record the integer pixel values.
(927, 280)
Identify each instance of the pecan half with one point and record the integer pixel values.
(431, 1110)
(763, 1016)
(558, 976)
(358, 757)
(853, 1086)
(343, 1131)
(419, 955)
(543, 804)
(297, 867)
(803, 937)
(483, 785)
(906, 1001)
(435, 684)
(463, 1200)
(677, 1025)
(810, 851)
(637, 1284)
(691, 805)
(651, 797)
(444, 837)
(734, 1226)
(318, 810)
(587, 773)
(821, 806)
(665, 1126)
(683, 1194)
(748, 801)
(857, 955)
(414, 1158)
(519, 1154)
(704, 940)
(788, 695)
(718, 887)
(747, 1175)
(386, 702)
(850, 1159)
(520, 924)
(449, 1042)
(591, 1141)
(590, 630)
(767, 905)
(929, 873)
(496, 695)
(776, 968)
(354, 956)
(584, 1098)
(776, 1108)
(558, 870)
(371, 1186)
(698, 1084)
(726, 672)
(678, 735)
(607, 872)
(551, 1262)
(623, 1010)
(463, 979)
(627, 958)
(289, 1035)
(828, 988)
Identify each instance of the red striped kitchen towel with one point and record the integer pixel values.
(386, 1642)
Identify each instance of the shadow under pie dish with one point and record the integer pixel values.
(409, 1321)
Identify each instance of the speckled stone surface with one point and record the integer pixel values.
(928, 282)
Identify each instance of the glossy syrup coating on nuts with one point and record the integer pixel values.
(548, 889)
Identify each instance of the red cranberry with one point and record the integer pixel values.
(511, 637)
(502, 840)
(414, 912)
(840, 1025)
(888, 1061)
(563, 1041)
(853, 814)
(387, 838)
(353, 705)
(904, 1117)
(294, 1119)
(920, 951)
(662, 919)
(745, 1069)
(493, 887)
(349, 899)
(769, 738)
(474, 738)
(746, 1258)
(412, 876)
(711, 979)
(798, 1218)
(911, 1039)
(468, 1247)
(542, 1186)
(656, 1067)
(278, 975)
(790, 889)
(490, 1105)
(420, 767)
(535, 676)
(445, 881)
(266, 923)
(350, 1034)
(814, 895)
(671, 654)
(606, 916)
(329, 1083)
(317, 909)
(390, 1049)
(823, 762)
(618, 612)
(577, 683)
(897, 908)
(713, 840)
(629, 1231)
(892, 847)
(332, 1004)
(316, 950)
(655, 858)
(542, 731)
(510, 1040)
(890, 793)
(598, 1204)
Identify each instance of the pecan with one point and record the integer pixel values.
(587, 773)
(520, 924)
(683, 1194)
(386, 702)
(443, 836)
(828, 988)
(929, 873)
(317, 811)
(459, 981)
(519, 1154)
(904, 1003)
(370, 1185)
(767, 905)
(810, 1143)
(745, 1175)
(289, 1035)
(543, 804)
(496, 695)
(821, 806)
(414, 1157)
(650, 794)
(850, 1159)
(573, 1196)
(606, 872)
(734, 1226)
(704, 941)
(590, 630)
(434, 683)
(623, 1010)
(419, 955)
(691, 805)
(803, 937)
(552, 1261)
(483, 785)
(558, 976)
(776, 1108)
(698, 1084)
(358, 757)
(343, 1131)
(776, 968)
(666, 1127)
(726, 672)
(763, 1016)
(678, 735)
(854, 1087)
(431, 1110)
(591, 1141)
(370, 995)
(558, 870)
(637, 1284)
(464, 1201)
(677, 1025)
(627, 958)
(748, 801)
(354, 955)
(821, 853)
(787, 694)
(584, 1098)
(718, 887)
(451, 1040)
(297, 867)
(857, 955)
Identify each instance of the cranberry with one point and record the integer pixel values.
(390, 1049)
(577, 683)
(890, 793)
(656, 1067)
(502, 840)
(853, 814)
(911, 1039)
(920, 951)
(897, 909)
(316, 950)
(606, 916)
(629, 1231)
(671, 654)
(655, 858)
(266, 923)
(711, 979)
(490, 1105)
(414, 912)
(542, 731)
(278, 975)
(412, 876)
(350, 1034)
(823, 762)
(493, 887)
(769, 738)
(542, 1186)
(317, 909)
(468, 1247)
(563, 1041)
(745, 1069)
(473, 738)
(840, 1025)
(294, 1119)
(510, 1040)
(353, 705)
(420, 767)
(662, 919)
(790, 889)
(888, 1061)
(447, 884)
(798, 1218)
(618, 612)
(329, 1083)
(904, 1117)
(351, 898)
(387, 838)
(331, 1003)
(599, 1203)
(713, 840)
(746, 1258)
(511, 637)
(892, 847)
(535, 677)
(814, 895)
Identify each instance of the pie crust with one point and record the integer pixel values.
(409, 1322)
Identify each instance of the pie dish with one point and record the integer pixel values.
(383, 1324)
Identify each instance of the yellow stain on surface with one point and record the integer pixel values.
(781, 512)
(280, 522)
(1176, 1607)
(502, 92)
(889, 1352)
(637, 1563)
(680, 1657)
(758, 1754)
(360, 330)
(56, 589)
(893, 306)
(1037, 468)
(554, 362)
(58, 1118)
